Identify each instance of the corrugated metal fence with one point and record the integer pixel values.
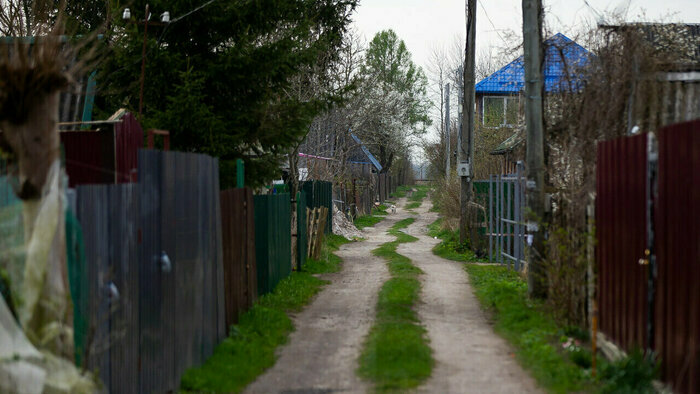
(154, 256)
(302, 235)
(107, 156)
(320, 194)
(273, 240)
(661, 310)
(677, 220)
(240, 272)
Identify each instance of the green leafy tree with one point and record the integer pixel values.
(219, 78)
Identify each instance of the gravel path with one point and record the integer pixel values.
(321, 355)
(469, 356)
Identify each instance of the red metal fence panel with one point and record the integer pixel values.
(89, 157)
(238, 236)
(128, 136)
(677, 299)
(621, 221)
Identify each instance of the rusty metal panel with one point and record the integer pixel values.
(621, 221)
(677, 300)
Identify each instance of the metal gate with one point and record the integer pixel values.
(506, 207)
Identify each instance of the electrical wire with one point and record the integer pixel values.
(492, 25)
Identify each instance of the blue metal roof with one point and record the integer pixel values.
(369, 155)
(563, 56)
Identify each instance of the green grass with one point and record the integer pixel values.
(532, 332)
(412, 205)
(396, 355)
(450, 248)
(538, 339)
(401, 191)
(377, 215)
(328, 262)
(416, 199)
(250, 347)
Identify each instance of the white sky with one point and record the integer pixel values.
(424, 24)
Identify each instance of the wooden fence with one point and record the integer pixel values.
(648, 247)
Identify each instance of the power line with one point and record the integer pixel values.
(491, 22)
(193, 11)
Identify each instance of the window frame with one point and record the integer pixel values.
(504, 117)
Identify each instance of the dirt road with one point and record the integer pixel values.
(469, 356)
(321, 355)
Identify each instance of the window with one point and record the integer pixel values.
(500, 111)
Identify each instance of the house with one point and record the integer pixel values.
(498, 96)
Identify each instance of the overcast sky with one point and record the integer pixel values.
(423, 24)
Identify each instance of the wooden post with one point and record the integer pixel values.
(466, 149)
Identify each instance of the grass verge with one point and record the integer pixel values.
(450, 248)
(250, 348)
(370, 220)
(522, 322)
(396, 355)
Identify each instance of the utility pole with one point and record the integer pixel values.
(447, 132)
(534, 89)
(466, 148)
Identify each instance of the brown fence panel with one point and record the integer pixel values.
(238, 234)
(677, 299)
(621, 221)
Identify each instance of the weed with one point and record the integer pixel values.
(632, 374)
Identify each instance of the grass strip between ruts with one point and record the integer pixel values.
(396, 355)
(250, 348)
